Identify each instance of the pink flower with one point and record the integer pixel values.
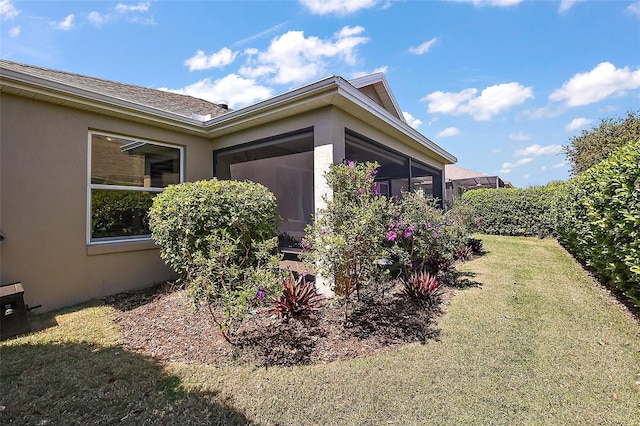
(409, 231)
(360, 191)
(352, 164)
(374, 172)
(391, 236)
(323, 230)
(260, 294)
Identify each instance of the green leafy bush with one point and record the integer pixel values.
(514, 211)
(119, 213)
(599, 219)
(219, 236)
(345, 240)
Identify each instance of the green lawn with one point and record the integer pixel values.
(536, 343)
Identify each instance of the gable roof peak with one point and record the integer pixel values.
(376, 87)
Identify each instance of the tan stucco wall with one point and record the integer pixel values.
(43, 210)
(43, 193)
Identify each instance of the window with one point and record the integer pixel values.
(124, 176)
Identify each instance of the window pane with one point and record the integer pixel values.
(124, 162)
(119, 213)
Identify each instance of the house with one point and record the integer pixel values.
(460, 180)
(81, 159)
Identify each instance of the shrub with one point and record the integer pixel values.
(119, 213)
(219, 237)
(422, 234)
(477, 246)
(599, 219)
(422, 288)
(298, 299)
(514, 211)
(345, 240)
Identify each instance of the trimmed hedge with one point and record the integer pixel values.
(514, 211)
(599, 219)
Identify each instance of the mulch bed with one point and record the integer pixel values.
(160, 322)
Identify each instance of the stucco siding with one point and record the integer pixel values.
(43, 214)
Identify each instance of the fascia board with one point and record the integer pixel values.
(70, 94)
(322, 90)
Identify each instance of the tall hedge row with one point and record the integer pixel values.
(514, 211)
(599, 219)
(595, 216)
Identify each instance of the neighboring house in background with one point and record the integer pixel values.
(81, 159)
(460, 180)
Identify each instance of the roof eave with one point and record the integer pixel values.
(20, 83)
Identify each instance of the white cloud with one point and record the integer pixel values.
(64, 25)
(237, 91)
(8, 10)
(565, 5)
(216, 60)
(491, 101)
(508, 167)
(595, 85)
(558, 166)
(15, 31)
(140, 7)
(577, 123)
(96, 18)
(634, 8)
(294, 58)
(499, 3)
(337, 7)
(537, 150)
(423, 48)
(520, 137)
(448, 132)
(411, 120)
(496, 151)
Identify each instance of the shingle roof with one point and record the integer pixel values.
(166, 101)
(454, 173)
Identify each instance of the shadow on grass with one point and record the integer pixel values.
(465, 280)
(83, 384)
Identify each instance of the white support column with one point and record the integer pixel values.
(322, 159)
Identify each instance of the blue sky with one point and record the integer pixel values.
(501, 84)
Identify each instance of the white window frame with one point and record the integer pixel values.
(91, 186)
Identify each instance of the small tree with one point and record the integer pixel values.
(345, 241)
(592, 146)
(219, 236)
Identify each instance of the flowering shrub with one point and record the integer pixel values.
(422, 235)
(346, 239)
(299, 298)
(219, 237)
